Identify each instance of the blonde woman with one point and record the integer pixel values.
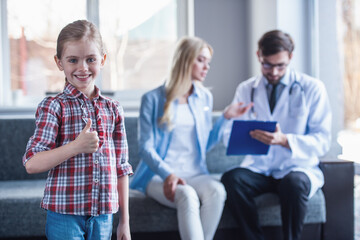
(175, 133)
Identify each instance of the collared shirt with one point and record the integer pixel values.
(155, 139)
(85, 184)
(304, 115)
(182, 154)
(279, 90)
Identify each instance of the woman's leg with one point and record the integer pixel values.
(212, 196)
(187, 205)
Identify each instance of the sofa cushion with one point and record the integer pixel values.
(20, 206)
(145, 213)
(143, 207)
(15, 134)
(269, 209)
(21, 193)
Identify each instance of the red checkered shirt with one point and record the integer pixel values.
(85, 184)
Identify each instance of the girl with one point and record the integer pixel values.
(80, 137)
(175, 133)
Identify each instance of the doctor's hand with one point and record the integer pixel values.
(236, 110)
(170, 184)
(271, 138)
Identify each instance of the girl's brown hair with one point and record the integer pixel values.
(76, 31)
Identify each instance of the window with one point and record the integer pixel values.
(138, 41)
(351, 45)
(32, 42)
(350, 38)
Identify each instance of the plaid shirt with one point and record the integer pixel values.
(85, 184)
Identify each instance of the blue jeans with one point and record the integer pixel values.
(63, 226)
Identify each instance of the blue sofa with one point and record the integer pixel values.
(20, 194)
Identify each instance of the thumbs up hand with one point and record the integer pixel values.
(87, 141)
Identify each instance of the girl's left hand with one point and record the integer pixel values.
(236, 110)
(123, 231)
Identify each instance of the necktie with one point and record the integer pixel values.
(272, 100)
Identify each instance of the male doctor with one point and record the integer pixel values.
(300, 106)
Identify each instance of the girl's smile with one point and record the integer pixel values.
(81, 62)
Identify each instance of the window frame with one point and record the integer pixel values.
(129, 99)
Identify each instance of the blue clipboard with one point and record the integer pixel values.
(241, 143)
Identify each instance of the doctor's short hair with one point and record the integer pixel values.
(274, 42)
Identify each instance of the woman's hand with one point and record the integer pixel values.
(236, 110)
(170, 184)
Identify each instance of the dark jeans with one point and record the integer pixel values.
(243, 185)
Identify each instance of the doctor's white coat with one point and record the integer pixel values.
(304, 114)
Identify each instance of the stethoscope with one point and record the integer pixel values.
(296, 84)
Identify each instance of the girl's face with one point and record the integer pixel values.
(81, 62)
(201, 65)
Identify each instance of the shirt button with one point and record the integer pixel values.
(96, 162)
(96, 180)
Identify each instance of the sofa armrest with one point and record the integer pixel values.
(339, 196)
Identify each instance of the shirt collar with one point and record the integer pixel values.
(73, 92)
(286, 79)
(196, 89)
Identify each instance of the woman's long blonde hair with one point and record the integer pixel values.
(178, 82)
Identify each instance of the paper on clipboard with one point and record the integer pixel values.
(240, 141)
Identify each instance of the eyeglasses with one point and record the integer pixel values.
(269, 66)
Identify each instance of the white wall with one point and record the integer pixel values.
(224, 24)
(262, 18)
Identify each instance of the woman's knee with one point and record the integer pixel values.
(216, 190)
(187, 195)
